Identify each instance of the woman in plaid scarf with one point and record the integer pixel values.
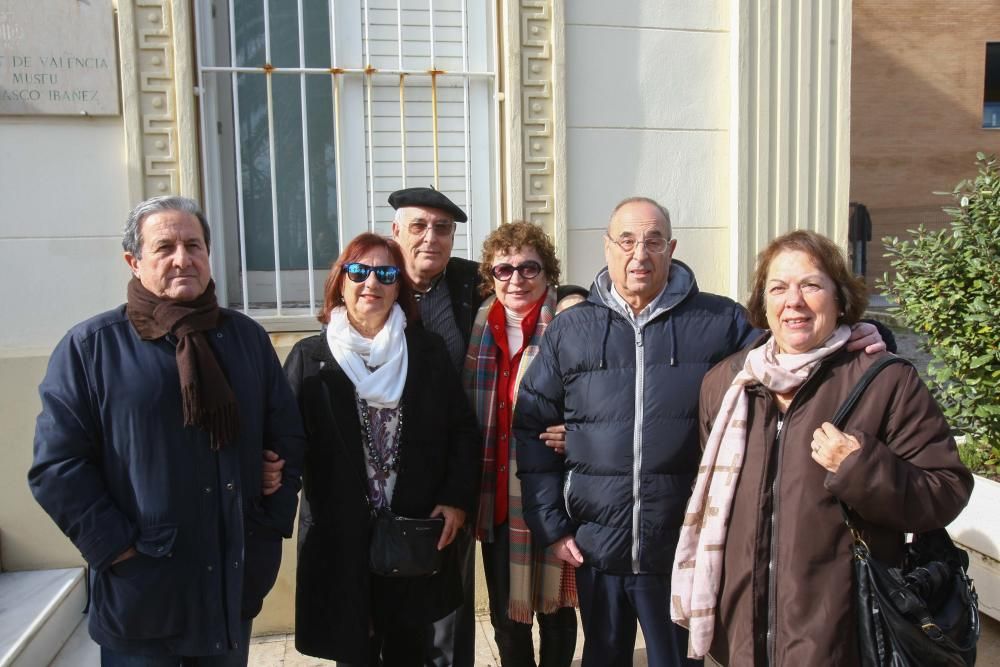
(523, 578)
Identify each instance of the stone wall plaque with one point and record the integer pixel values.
(58, 57)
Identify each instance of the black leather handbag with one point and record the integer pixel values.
(923, 613)
(404, 547)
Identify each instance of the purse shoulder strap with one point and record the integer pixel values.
(844, 411)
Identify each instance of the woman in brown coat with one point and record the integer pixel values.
(763, 572)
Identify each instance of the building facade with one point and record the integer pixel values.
(291, 122)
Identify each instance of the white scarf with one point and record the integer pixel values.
(385, 353)
(698, 560)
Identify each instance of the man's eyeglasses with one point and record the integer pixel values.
(528, 270)
(655, 244)
(358, 273)
(441, 228)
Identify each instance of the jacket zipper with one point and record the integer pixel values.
(637, 446)
(772, 594)
(771, 591)
(569, 477)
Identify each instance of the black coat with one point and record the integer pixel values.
(462, 280)
(438, 465)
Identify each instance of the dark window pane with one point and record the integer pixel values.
(991, 88)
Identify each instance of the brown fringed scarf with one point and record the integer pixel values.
(207, 398)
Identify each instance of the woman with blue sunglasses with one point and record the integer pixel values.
(388, 427)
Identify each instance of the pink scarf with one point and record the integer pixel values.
(701, 546)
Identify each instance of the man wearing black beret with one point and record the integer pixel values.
(446, 286)
(448, 298)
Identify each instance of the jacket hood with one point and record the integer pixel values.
(681, 284)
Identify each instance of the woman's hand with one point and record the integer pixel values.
(865, 336)
(453, 520)
(565, 549)
(830, 446)
(555, 437)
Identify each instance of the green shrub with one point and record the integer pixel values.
(947, 288)
(980, 457)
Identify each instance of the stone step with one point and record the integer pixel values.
(39, 610)
(79, 650)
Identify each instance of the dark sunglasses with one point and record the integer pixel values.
(358, 273)
(528, 270)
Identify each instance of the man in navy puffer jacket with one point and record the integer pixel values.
(623, 370)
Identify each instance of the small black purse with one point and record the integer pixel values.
(404, 547)
(924, 613)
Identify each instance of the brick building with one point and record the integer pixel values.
(918, 91)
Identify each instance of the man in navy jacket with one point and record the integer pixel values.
(148, 453)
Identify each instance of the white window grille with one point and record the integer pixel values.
(313, 111)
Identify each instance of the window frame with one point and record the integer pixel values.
(354, 79)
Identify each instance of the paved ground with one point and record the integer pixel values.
(279, 650)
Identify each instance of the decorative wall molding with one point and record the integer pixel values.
(156, 38)
(534, 118)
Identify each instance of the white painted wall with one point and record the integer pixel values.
(63, 185)
(648, 109)
(64, 191)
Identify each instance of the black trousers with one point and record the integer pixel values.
(398, 646)
(557, 630)
(450, 642)
(610, 605)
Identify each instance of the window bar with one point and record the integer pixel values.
(434, 126)
(306, 173)
(399, 31)
(470, 250)
(241, 214)
(210, 210)
(497, 101)
(434, 101)
(402, 91)
(335, 84)
(430, 7)
(367, 18)
(391, 71)
(402, 125)
(370, 147)
(268, 68)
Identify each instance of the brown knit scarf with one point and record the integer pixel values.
(207, 398)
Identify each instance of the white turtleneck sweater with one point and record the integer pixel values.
(515, 336)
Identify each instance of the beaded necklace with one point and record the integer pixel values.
(384, 464)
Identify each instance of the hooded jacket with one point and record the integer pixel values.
(629, 398)
(785, 518)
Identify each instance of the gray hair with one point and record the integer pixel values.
(646, 200)
(132, 236)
